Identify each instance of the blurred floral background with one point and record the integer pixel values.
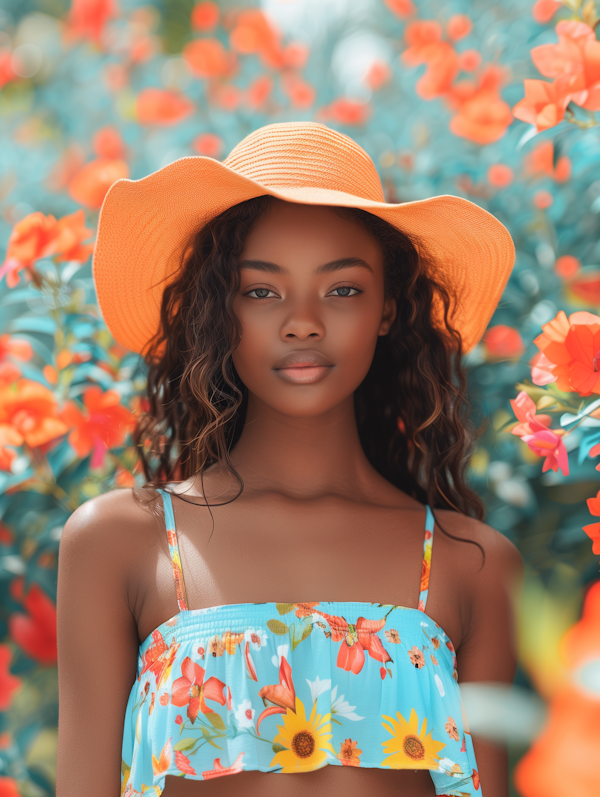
(495, 102)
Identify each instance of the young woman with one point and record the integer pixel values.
(275, 599)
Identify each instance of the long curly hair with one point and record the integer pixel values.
(411, 409)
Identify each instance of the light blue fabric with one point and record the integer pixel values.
(339, 683)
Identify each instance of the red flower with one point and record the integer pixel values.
(9, 788)
(8, 682)
(87, 18)
(283, 694)
(402, 8)
(544, 103)
(161, 107)
(191, 690)
(103, 426)
(90, 184)
(355, 639)
(208, 58)
(35, 632)
(30, 408)
(503, 341)
(205, 15)
(544, 10)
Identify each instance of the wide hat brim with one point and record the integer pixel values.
(145, 226)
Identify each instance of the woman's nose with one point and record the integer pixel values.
(302, 322)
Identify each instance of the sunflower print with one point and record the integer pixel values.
(410, 748)
(304, 740)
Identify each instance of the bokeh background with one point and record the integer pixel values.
(447, 98)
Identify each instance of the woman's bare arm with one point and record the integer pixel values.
(97, 644)
(488, 652)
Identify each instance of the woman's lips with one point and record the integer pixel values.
(304, 374)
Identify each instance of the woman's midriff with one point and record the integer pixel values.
(329, 781)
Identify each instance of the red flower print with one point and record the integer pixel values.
(159, 658)
(282, 694)
(355, 640)
(221, 770)
(182, 763)
(191, 689)
(416, 657)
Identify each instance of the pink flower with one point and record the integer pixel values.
(179, 719)
(549, 444)
(524, 408)
(542, 369)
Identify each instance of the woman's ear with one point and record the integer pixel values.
(389, 314)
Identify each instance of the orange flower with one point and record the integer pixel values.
(576, 56)
(208, 144)
(208, 58)
(205, 15)
(12, 347)
(563, 759)
(482, 115)
(346, 111)
(349, 755)
(283, 694)
(87, 18)
(582, 641)
(459, 26)
(35, 632)
(192, 690)
(219, 770)
(90, 184)
(9, 436)
(300, 93)
(7, 73)
(544, 103)
(544, 10)
(254, 33)
(499, 175)
(585, 288)
(573, 345)
(8, 681)
(540, 162)
(402, 8)
(259, 91)
(419, 36)
(71, 232)
(163, 762)
(567, 266)
(32, 410)
(159, 106)
(9, 787)
(378, 74)
(593, 529)
(32, 238)
(103, 426)
(356, 638)
(502, 341)
(108, 143)
(525, 409)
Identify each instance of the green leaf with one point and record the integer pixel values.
(185, 744)
(214, 744)
(284, 608)
(389, 671)
(333, 719)
(216, 720)
(307, 631)
(205, 732)
(44, 324)
(277, 627)
(278, 748)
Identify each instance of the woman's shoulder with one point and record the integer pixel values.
(113, 516)
(497, 555)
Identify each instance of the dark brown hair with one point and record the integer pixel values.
(411, 408)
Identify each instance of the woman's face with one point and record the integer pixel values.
(311, 306)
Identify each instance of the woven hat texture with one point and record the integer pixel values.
(145, 225)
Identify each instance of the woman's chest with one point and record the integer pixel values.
(303, 552)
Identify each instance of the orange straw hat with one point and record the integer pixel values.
(145, 225)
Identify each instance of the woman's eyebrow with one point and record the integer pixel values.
(333, 265)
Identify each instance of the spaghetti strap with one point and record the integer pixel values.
(426, 567)
(174, 551)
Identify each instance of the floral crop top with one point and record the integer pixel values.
(292, 687)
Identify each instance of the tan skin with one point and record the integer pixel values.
(315, 522)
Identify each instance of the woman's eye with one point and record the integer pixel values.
(261, 293)
(345, 290)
